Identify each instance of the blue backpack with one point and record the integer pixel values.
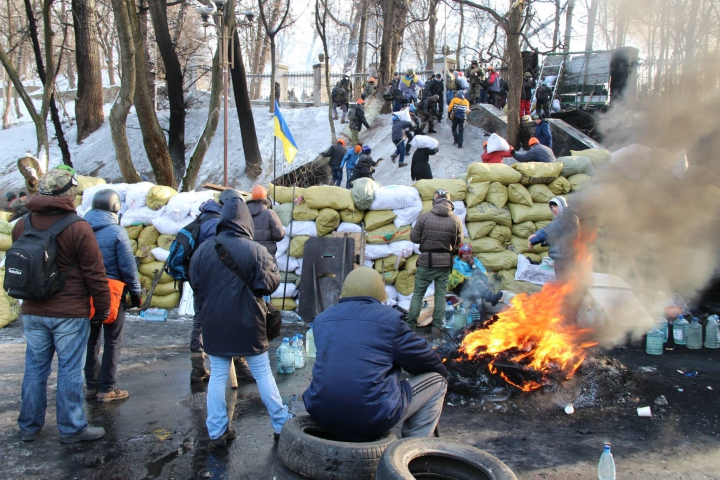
(183, 247)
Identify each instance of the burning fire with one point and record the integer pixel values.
(534, 333)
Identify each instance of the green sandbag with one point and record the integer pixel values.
(493, 172)
(579, 181)
(162, 289)
(388, 234)
(390, 277)
(148, 236)
(411, 265)
(288, 277)
(133, 245)
(521, 246)
(303, 213)
(538, 172)
(148, 269)
(560, 186)
(375, 219)
(427, 206)
(405, 282)
(84, 182)
(144, 254)
(5, 242)
(476, 193)
(501, 233)
(363, 192)
(524, 229)
(597, 155)
(133, 231)
(523, 213)
(164, 241)
(542, 224)
(352, 216)
(498, 261)
(5, 227)
(509, 283)
(497, 194)
(574, 165)
(297, 246)
(284, 194)
(534, 257)
(480, 229)
(327, 221)
(517, 193)
(486, 245)
(540, 193)
(284, 212)
(158, 196)
(387, 264)
(9, 307)
(290, 303)
(320, 197)
(486, 211)
(455, 187)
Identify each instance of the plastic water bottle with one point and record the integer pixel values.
(663, 327)
(154, 314)
(712, 334)
(449, 316)
(694, 335)
(299, 351)
(606, 466)
(288, 316)
(474, 314)
(461, 318)
(680, 330)
(310, 345)
(285, 357)
(654, 342)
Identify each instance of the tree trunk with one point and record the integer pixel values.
(556, 29)
(432, 23)
(150, 67)
(89, 102)
(362, 33)
(659, 73)
(174, 82)
(272, 74)
(321, 27)
(568, 25)
(7, 104)
(514, 55)
(394, 12)
(460, 35)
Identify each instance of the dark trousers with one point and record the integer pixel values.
(196, 343)
(103, 375)
(337, 174)
(349, 176)
(458, 126)
(483, 95)
(397, 106)
(493, 98)
(544, 106)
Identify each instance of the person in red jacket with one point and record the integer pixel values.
(495, 157)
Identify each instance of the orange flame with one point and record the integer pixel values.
(534, 332)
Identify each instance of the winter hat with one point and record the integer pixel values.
(342, 142)
(533, 141)
(485, 144)
(366, 150)
(461, 93)
(395, 118)
(259, 192)
(464, 248)
(358, 149)
(536, 117)
(22, 194)
(364, 282)
(59, 182)
(560, 202)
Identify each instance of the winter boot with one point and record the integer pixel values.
(343, 120)
(335, 117)
(393, 157)
(492, 298)
(199, 373)
(242, 370)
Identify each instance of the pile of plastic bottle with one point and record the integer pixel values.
(292, 352)
(689, 334)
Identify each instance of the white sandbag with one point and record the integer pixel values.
(556, 107)
(201, 198)
(302, 228)
(286, 290)
(141, 215)
(369, 263)
(347, 227)
(373, 252)
(424, 141)
(80, 211)
(632, 161)
(187, 302)
(298, 270)
(160, 254)
(136, 193)
(394, 197)
(403, 115)
(403, 248)
(407, 215)
(403, 301)
(89, 193)
(392, 295)
(461, 212)
(167, 226)
(550, 80)
(416, 248)
(179, 206)
(537, 274)
(497, 144)
(283, 265)
(283, 245)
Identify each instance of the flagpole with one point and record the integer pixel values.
(274, 164)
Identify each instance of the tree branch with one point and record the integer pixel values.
(499, 19)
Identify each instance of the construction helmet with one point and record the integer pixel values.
(259, 192)
(342, 142)
(366, 150)
(410, 72)
(227, 195)
(107, 200)
(440, 193)
(533, 141)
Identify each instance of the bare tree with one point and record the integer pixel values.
(432, 23)
(89, 114)
(321, 27)
(271, 31)
(568, 25)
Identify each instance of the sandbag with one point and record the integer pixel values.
(455, 187)
(523, 213)
(407, 215)
(497, 144)
(402, 248)
(78, 200)
(403, 115)
(140, 215)
(424, 141)
(486, 211)
(596, 155)
(427, 205)
(363, 192)
(388, 234)
(290, 303)
(352, 216)
(538, 172)
(284, 212)
(5, 215)
(136, 195)
(542, 224)
(517, 193)
(411, 264)
(375, 219)
(148, 269)
(162, 289)
(405, 282)
(295, 229)
(480, 229)
(524, 229)
(133, 231)
(303, 212)
(158, 196)
(5, 227)
(146, 283)
(631, 161)
(286, 264)
(283, 194)
(167, 226)
(476, 193)
(290, 277)
(89, 193)
(388, 264)
(144, 254)
(148, 236)
(498, 261)
(579, 181)
(327, 221)
(508, 283)
(540, 193)
(521, 246)
(501, 233)
(181, 205)
(560, 186)
(164, 241)
(133, 245)
(168, 302)
(320, 197)
(297, 246)
(493, 172)
(390, 277)
(283, 245)
(497, 194)
(395, 196)
(373, 252)
(535, 257)
(288, 290)
(575, 165)
(9, 307)
(160, 254)
(5, 242)
(486, 245)
(84, 182)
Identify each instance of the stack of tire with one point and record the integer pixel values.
(9, 307)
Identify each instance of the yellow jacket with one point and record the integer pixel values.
(458, 101)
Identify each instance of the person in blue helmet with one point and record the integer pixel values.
(365, 165)
(400, 136)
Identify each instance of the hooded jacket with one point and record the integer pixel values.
(77, 248)
(363, 167)
(537, 153)
(496, 157)
(560, 234)
(420, 168)
(527, 85)
(409, 86)
(398, 130)
(358, 120)
(207, 230)
(362, 397)
(232, 312)
(335, 152)
(439, 233)
(494, 81)
(434, 87)
(268, 228)
(350, 159)
(114, 243)
(542, 133)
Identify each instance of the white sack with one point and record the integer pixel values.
(298, 270)
(497, 144)
(537, 274)
(160, 254)
(406, 216)
(373, 252)
(403, 115)
(404, 301)
(403, 248)
(283, 246)
(461, 212)
(369, 263)
(556, 107)
(416, 248)
(289, 289)
(392, 295)
(89, 193)
(347, 227)
(166, 226)
(424, 141)
(283, 265)
(136, 193)
(302, 228)
(395, 196)
(141, 215)
(181, 205)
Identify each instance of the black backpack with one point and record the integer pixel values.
(31, 271)
(183, 247)
(543, 92)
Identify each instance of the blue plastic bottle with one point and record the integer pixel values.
(606, 466)
(473, 314)
(285, 357)
(154, 314)
(449, 316)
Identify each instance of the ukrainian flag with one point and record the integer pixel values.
(283, 133)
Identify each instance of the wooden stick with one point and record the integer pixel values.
(233, 375)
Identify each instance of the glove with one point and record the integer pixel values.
(135, 300)
(100, 317)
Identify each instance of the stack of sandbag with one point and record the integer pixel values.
(9, 307)
(85, 183)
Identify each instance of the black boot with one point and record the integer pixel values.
(242, 371)
(492, 298)
(198, 373)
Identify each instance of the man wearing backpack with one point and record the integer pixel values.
(357, 120)
(56, 312)
(542, 97)
(457, 113)
(339, 99)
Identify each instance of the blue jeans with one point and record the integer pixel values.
(397, 106)
(337, 173)
(349, 172)
(217, 418)
(449, 96)
(400, 151)
(458, 125)
(45, 336)
(483, 96)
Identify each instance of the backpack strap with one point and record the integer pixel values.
(56, 229)
(230, 263)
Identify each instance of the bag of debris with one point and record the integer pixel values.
(337, 198)
(297, 228)
(559, 186)
(303, 212)
(508, 283)
(596, 155)
(395, 196)
(347, 227)
(290, 277)
(411, 264)
(486, 245)
(159, 195)
(405, 282)
(388, 234)
(392, 295)
(285, 263)
(497, 194)
(403, 115)
(408, 215)
(480, 229)
(476, 193)
(283, 245)
(631, 161)
(523, 213)
(327, 221)
(375, 219)
(286, 290)
(540, 193)
(389, 264)
(501, 233)
(524, 229)
(284, 212)
(164, 241)
(493, 172)
(390, 277)
(579, 181)
(423, 141)
(373, 252)
(402, 248)
(456, 188)
(181, 205)
(538, 172)
(517, 193)
(497, 144)
(290, 303)
(145, 255)
(168, 302)
(162, 289)
(352, 216)
(460, 211)
(536, 274)
(575, 165)
(160, 254)
(148, 236)
(136, 195)
(283, 194)
(498, 261)
(167, 226)
(84, 182)
(363, 192)
(486, 211)
(297, 246)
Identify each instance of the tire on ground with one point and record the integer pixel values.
(419, 458)
(307, 449)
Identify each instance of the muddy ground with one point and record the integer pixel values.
(159, 432)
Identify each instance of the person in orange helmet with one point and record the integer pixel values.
(268, 228)
(537, 153)
(336, 153)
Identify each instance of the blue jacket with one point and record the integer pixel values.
(207, 229)
(350, 158)
(117, 253)
(356, 392)
(542, 133)
(537, 153)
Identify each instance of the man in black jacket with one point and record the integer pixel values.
(437, 88)
(357, 121)
(336, 153)
(526, 95)
(365, 166)
(427, 114)
(340, 99)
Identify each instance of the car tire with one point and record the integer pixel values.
(436, 458)
(306, 448)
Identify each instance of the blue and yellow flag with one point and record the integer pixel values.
(283, 133)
